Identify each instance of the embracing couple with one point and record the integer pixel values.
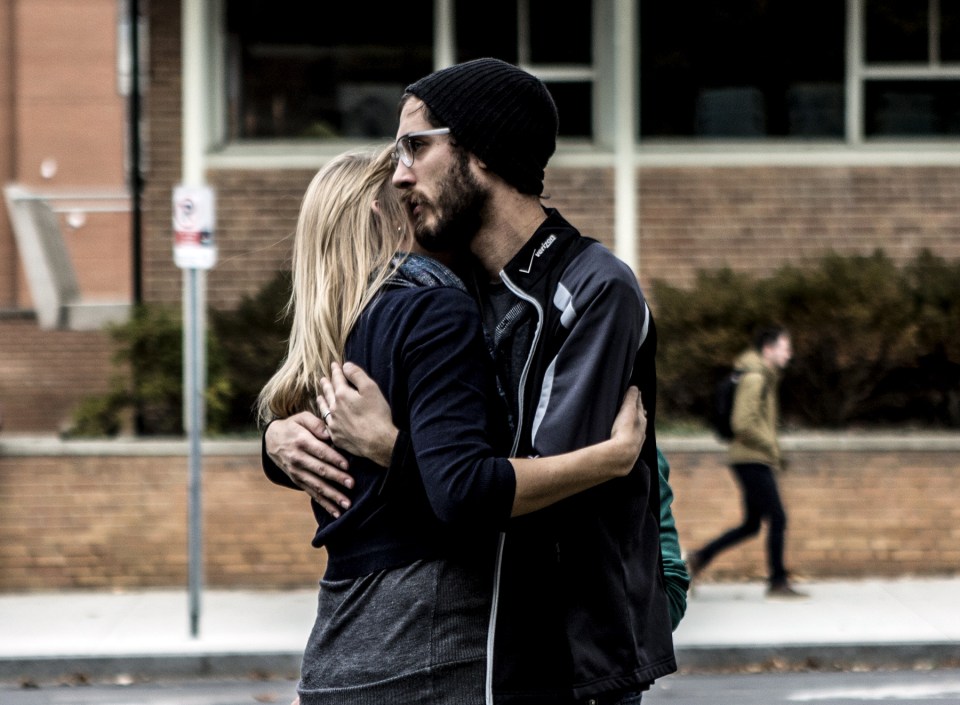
(483, 468)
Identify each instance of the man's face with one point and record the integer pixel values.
(445, 199)
(780, 352)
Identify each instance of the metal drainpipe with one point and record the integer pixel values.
(136, 178)
(10, 139)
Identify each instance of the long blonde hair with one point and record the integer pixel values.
(341, 257)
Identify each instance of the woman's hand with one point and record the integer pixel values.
(300, 446)
(356, 413)
(629, 430)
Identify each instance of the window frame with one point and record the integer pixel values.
(852, 148)
(862, 71)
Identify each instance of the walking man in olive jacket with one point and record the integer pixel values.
(755, 458)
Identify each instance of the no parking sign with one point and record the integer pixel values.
(194, 218)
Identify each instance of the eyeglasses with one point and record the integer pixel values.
(408, 144)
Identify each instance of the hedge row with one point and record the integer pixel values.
(874, 344)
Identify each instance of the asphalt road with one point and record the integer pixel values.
(819, 688)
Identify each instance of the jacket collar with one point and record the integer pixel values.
(535, 259)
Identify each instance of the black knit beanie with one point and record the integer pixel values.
(501, 113)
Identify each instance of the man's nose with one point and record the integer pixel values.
(403, 176)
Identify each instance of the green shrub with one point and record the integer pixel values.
(148, 382)
(252, 339)
(99, 416)
(873, 343)
(935, 284)
(244, 348)
(699, 331)
(852, 325)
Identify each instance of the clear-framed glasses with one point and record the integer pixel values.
(408, 145)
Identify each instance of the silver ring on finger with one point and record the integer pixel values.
(324, 416)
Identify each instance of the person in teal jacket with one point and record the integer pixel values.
(674, 568)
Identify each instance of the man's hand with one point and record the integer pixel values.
(357, 414)
(630, 427)
(299, 447)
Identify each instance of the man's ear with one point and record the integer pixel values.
(479, 167)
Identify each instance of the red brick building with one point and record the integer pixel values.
(691, 137)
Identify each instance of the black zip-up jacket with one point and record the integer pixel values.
(580, 611)
(448, 490)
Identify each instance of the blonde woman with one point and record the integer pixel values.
(405, 601)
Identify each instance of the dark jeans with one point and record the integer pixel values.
(761, 500)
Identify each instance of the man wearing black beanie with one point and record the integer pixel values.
(502, 114)
(579, 611)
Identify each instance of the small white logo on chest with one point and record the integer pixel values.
(539, 251)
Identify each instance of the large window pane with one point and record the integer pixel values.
(912, 108)
(574, 107)
(742, 69)
(897, 31)
(556, 38)
(486, 29)
(292, 73)
(950, 30)
(561, 36)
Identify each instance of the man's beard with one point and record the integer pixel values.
(458, 209)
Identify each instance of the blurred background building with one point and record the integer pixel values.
(692, 135)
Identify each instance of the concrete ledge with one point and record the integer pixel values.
(50, 445)
(94, 315)
(827, 441)
(47, 446)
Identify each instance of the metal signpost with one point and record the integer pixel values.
(194, 252)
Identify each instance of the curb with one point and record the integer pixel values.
(85, 668)
(690, 659)
(819, 657)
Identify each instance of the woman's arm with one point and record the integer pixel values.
(360, 422)
(543, 481)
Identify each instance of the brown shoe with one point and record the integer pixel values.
(785, 591)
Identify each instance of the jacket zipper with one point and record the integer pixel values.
(495, 602)
(526, 366)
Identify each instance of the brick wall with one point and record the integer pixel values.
(116, 520)
(257, 216)
(44, 374)
(752, 218)
(887, 508)
(756, 219)
(114, 515)
(161, 278)
(62, 130)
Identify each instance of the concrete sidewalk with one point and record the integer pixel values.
(104, 636)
